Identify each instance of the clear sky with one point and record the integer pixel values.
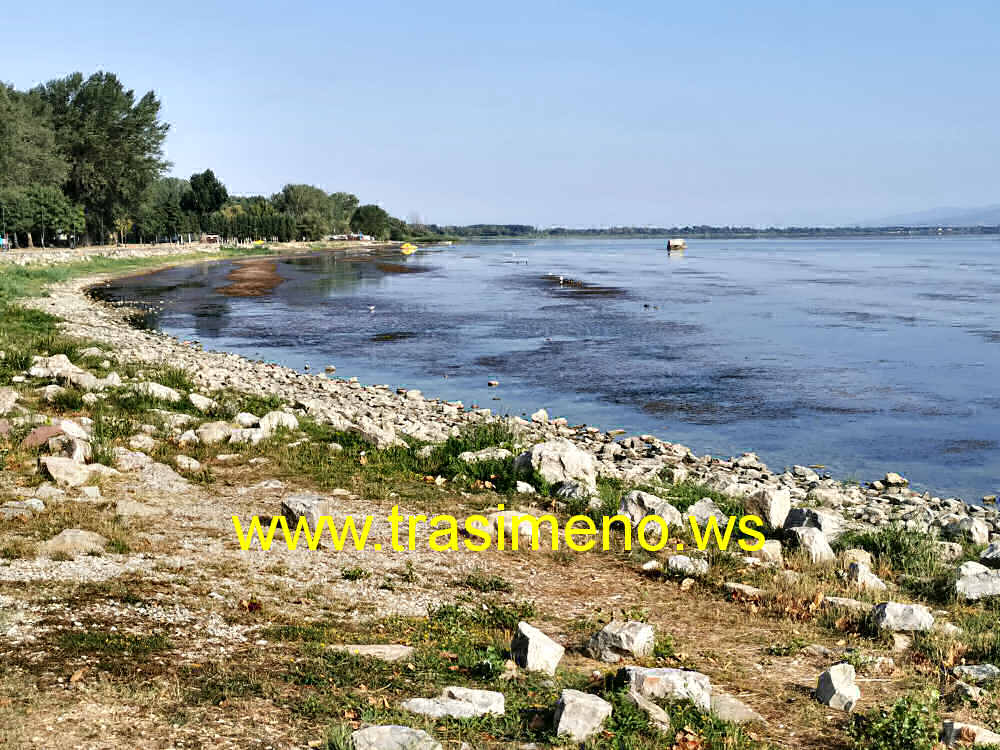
(579, 114)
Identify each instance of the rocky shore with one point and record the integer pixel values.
(170, 484)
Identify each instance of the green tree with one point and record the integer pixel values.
(342, 206)
(371, 220)
(113, 143)
(310, 206)
(28, 154)
(207, 194)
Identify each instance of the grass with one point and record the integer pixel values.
(487, 583)
(112, 642)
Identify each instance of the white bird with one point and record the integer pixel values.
(371, 308)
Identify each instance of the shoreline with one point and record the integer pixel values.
(338, 402)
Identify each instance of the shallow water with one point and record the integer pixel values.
(863, 355)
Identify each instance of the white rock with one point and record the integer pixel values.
(771, 504)
(638, 505)
(275, 420)
(836, 688)
(246, 419)
(977, 674)
(952, 732)
(486, 454)
(814, 542)
(385, 652)
(393, 737)
(730, 708)
(902, 617)
(306, 505)
(862, 576)
(213, 432)
(202, 403)
(73, 542)
(619, 639)
(66, 471)
(580, 715)
(687, 565)
(668, 682)
(559, 461)
(161, 392)
(186, 463)
(531, 649)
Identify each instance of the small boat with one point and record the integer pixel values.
(407, 248)
(676, 245)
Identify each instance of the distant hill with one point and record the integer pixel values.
(988, 216)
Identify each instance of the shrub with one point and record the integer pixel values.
(910, 724)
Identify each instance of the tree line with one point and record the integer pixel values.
(81, 161)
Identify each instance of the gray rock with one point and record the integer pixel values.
(687, 565)
(186, 463)
(8, 397)
(975, 528)
(486, 454)
(836, 688)
(306, 505)
(211, 433)
(731, 709)
(484, 701)
(275, 420)
(814, 542)
(524, 488)
(977, 674)
(953, 732)
(202, 403)
(668, 682)
(902, 617)
(393, 737)
(978, 586)
(991, 556)
(66, 471)
(619, 639)
(73, 542)
(126, 460)
(385, 652)
(559, 461)
(704, 509)
(247, 420)
(638, 505)
(772, 504)
(862, 576)
(659, 718)
(580, 715)
(157, 391)
(826, 521)
(770, 552)
(531, 649)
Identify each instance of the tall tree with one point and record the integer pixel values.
(113, 143)
(28, 154)
(207, 194)
(310, 206)
(372, 220)
(342, 206)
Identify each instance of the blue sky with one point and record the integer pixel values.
(580, 114)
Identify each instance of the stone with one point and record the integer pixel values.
(202, 403)
(770, 552)
(704, 509)
(473, 703)
(393, 737)
(732, 709)
(540, 417)
(188, 439)
(862, 576)
(977, 674)
(902, 617)
(524, 488)
(836, 688)
(143, 443)
(531, 649)
(975, 528)
(48, 491)
(659, 718)
(213, 432)
(379, 435)
(580, 715)
(161, 478)
(743, 589)
(638, 505)
(955, 732)
(40, 436)
(826, 521)
(967, 692)
(253, 436)
(559, 461)
(771, 504)
(132, 509)
(126, 460)
(990, 556)
(857, 556)
(247, 420)
(486, 454)
(275, 420)
(892, 479)
(619, 639)
(851, 605)
(66, 471)
(949, 551)
(978, 586)
(8, 397)
(385, 652)
(814, 542)
(186, 463)
(669, 682)
(91, 492)
(687, 565)
(5, 428)
(157, 391)
(16, 511)
(73, 542)
(308, 505)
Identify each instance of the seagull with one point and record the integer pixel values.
(371, 308)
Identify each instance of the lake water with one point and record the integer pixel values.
(863, 355)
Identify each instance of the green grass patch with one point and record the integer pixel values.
(107, 642)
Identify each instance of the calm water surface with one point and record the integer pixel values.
(863, 355)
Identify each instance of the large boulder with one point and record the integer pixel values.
(157, 391)
(977, 674)
(619, 639)
(828, 522)
(213, 432)
(898, 617)
(66, 471)
(307, 505)
(580, 715)
(275, 420)
(975, 528)
(772, 504)
(531, 649)
(457, 703)
(814, 543)
(836, 687)
(978, 585)
(638, 505)
(558, 461)
(668, 682)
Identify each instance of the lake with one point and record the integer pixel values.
(864, 355)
